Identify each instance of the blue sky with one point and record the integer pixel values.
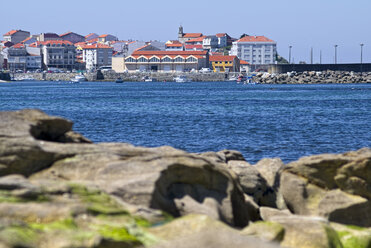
(301, 23)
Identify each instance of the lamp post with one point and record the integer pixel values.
(361, 57)
(336, 46)
(290, 54)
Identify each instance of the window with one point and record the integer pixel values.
(154, 59)
(179, 59)
(166, 59)
(191, 59)
(130, 59)
(142, 59)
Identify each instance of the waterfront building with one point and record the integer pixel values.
(166, 61)
(197, 47)
(48, 36)
(97, 55)
(255, 49)
(33, 62)
(57, 54)
(244, 66)
(1, 60)
(220, 63)
(17, 57)
(118, 63)
(106, 37)
(72, 37)
(16, 36)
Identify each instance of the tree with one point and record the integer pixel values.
(243, 35)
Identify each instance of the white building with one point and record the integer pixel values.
(255, 49)
(97, 55)
(210, 42)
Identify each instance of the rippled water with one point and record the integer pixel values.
(286, 121)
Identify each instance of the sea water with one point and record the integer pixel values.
(286, 121)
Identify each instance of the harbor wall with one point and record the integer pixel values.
(283, 68)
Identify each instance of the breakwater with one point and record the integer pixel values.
(313, 77)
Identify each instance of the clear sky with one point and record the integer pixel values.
(301, 23)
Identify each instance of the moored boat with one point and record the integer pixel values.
(119, 80)
(78, 79)
(182, 79)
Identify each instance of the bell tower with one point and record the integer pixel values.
(180, 32)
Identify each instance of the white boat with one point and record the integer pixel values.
(148, 79)
(79, 78)
(233, 79)
(182, 79)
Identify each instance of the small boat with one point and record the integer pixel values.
(78, 79)
(182, 79)
(233, 79)
(148, 79)
(119, 80)
(241, 79)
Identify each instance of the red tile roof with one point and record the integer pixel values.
(11, 32)
(169, 53)
(221, 35)
(173, 42)
(27, 39)
(221, 58)
(103, 35)
(19, 45)
(97, 46)
(65, 34)
(199, 39)
(192, 35)
(174, 45)
(163, 56)
(255, 39)
(57, 42)
(193, 46)
(243, 62)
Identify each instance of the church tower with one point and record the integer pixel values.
(180, 33)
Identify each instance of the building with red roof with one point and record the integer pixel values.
(107, 37)
(72, 37)
(57, 54)
(255, 49)
(166, 61)
(222, 63)
(48, 36)
(184, 37)
(97, 55)
(16, 36)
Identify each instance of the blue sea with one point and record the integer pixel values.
(286, 121)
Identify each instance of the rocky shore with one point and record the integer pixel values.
(307, 77)
(58, 189)
(313, 77)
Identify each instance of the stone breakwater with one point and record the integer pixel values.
(313, 77)
(58, 189)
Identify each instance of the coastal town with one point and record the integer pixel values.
(21, 51)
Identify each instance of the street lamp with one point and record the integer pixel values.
(336, 46)
(290, 54)
(361, 51)
(361, 56)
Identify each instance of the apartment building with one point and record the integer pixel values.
(255, 49)
(97, 55)
(220, 63)
(57, 54)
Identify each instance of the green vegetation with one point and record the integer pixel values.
(97, 201)
(7, 196)
(281, 60)
(333, 238)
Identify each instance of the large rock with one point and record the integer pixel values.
(334, 186)
(296, 232)
(203, 232)
(44, 148)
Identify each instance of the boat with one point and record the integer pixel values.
(119, 80)
(78, 79)
(182, 79)
(232, 79)
(241, 79)
(148, 79)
